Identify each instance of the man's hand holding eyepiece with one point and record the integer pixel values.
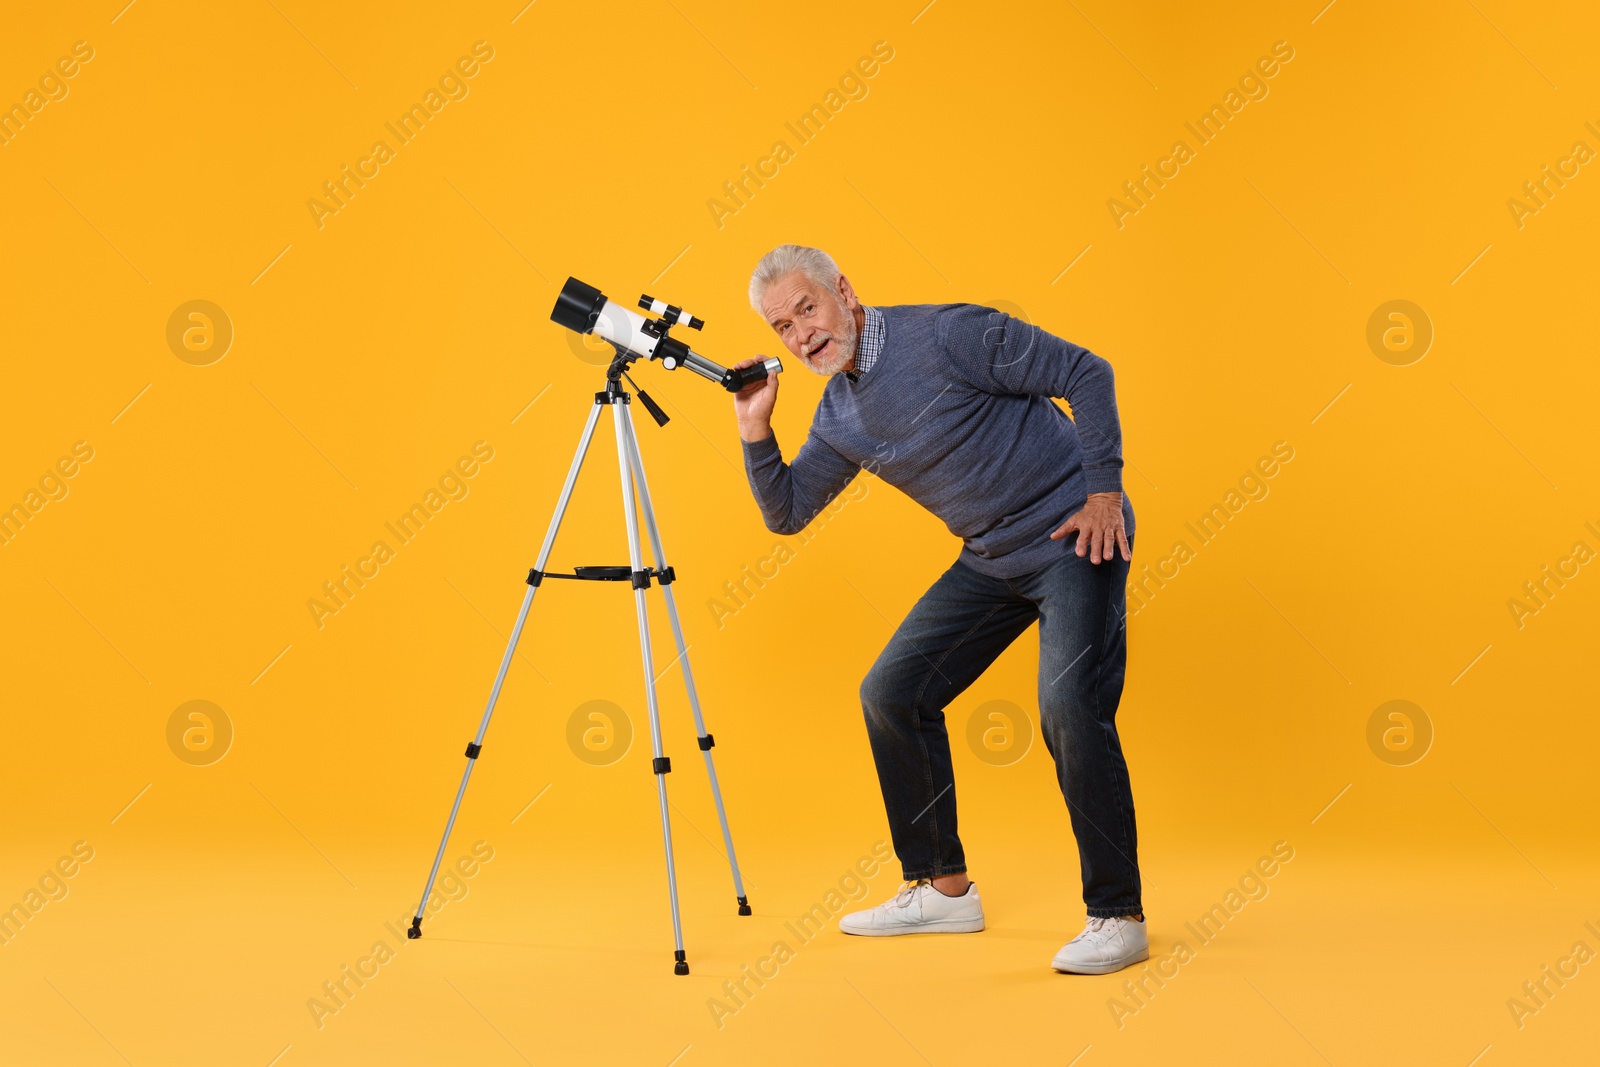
(753, 404)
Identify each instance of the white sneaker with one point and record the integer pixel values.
(919, 908)
(1105, 945)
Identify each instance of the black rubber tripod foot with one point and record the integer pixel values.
(744, 906)
(682, 966)
(416, 929)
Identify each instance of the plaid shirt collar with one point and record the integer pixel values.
(871, 343)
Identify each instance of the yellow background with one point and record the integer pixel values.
(371, 352)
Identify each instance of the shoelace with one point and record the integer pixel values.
(902, 898)
(1095, 928)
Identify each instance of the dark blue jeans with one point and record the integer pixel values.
(959, 627)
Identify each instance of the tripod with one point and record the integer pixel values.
(632, 470)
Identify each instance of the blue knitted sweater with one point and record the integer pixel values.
(956, 414)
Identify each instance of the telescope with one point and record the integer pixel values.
(584, 309)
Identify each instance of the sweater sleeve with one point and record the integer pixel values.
(791, 494)
(999, 353)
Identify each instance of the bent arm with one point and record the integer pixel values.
(999, 353)
(791, 494)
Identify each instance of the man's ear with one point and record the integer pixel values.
(847, 295)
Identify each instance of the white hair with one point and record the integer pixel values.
(785, 260)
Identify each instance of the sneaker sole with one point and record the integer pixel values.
(1100, 968)
(946, 926)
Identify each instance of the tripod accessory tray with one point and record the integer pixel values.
(620, 573)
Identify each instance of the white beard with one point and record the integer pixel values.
(844, 344)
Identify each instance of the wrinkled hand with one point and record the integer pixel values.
(1099, 526)
(753, 404)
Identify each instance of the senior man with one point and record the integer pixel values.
(950, 403)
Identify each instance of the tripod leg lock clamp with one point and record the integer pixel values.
(535, 576)
(661, 765)
(473, 748)
(641, 579)
(707, 742)
(665, 577)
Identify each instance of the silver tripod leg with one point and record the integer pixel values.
(505, 662)
(704, 738)
(660, 765)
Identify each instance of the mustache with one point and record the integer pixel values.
(818, 342)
